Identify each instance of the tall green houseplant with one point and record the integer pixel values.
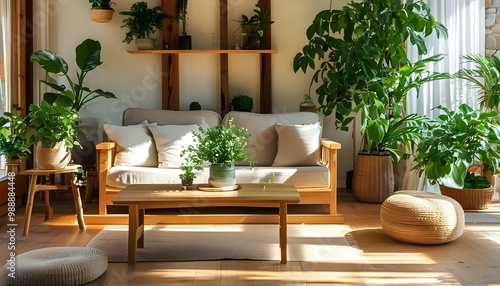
(75, 96)
(361, 42)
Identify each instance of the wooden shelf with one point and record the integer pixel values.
(202, 51)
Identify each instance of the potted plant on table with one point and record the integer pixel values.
(221, 146)
(254, 27)
(101, 11)
(456, 146)
(142, 22)
(16, 138)
(56, 134)
(364, 69)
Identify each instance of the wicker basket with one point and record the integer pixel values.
(373, 178)
(469, 199)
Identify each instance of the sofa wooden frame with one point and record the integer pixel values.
(324, 196)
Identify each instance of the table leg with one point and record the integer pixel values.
(133, 221)
(48, 210)
(283, 232)
(29, 206)
(78, 203)
(140, 241)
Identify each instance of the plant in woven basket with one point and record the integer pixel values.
(455, 143)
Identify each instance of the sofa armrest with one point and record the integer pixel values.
(105, 158)
(329, 158)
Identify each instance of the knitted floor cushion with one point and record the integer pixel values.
(422, 217)
(54, 266)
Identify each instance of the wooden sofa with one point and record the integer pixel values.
(317, 185)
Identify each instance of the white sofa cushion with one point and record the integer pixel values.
(301, 177)
(298, 145)
(169, 141)
(263, 135)
(135, 146)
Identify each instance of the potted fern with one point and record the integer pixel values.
(142, 22)
(459, 152)
(221, 146)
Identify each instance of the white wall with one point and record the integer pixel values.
(135, 78)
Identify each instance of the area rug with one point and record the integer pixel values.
(216, 242)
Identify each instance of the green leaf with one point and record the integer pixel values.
(88, 55)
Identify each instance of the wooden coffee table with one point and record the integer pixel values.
(141, 197)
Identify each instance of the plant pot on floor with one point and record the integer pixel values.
(52, 158)
(470, 199)
(373, 178)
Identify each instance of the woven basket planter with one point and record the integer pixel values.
(469, 199)
(373, 178)
(52, 158)
(101, 15)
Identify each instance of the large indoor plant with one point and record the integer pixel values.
(75, 95)
(142, 22)
(484, 77)
(364, 69)
(221, 146)
(101, 11)
(455, 145)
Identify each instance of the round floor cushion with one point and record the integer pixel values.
(422, 217)
(53, 266)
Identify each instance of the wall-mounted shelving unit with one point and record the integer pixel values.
(170, 60)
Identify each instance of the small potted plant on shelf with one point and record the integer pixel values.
(459, 151)
(221, 146)
(142, 22)
(101, 11)
(242, 102)
(254, 27)
(16, 138)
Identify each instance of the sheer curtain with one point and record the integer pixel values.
(465, 20)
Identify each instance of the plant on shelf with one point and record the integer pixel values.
(142, 22)
(242, 102)
(16, 137)
(484, 76)
(195, 105)
(364, 69)
(221, 146)
(75, 96)
(307, 104)
(101, 10)
(181, 11)
(254, 27)
(456, 143)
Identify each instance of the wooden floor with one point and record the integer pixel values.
(473, 259)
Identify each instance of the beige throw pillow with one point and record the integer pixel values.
(135, 146)
(170, 140)
(298, 145)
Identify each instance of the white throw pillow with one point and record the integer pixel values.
(170, 140)
(135, 146)
(298, 145)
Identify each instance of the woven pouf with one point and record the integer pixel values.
(53, 266)
(422, 217)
